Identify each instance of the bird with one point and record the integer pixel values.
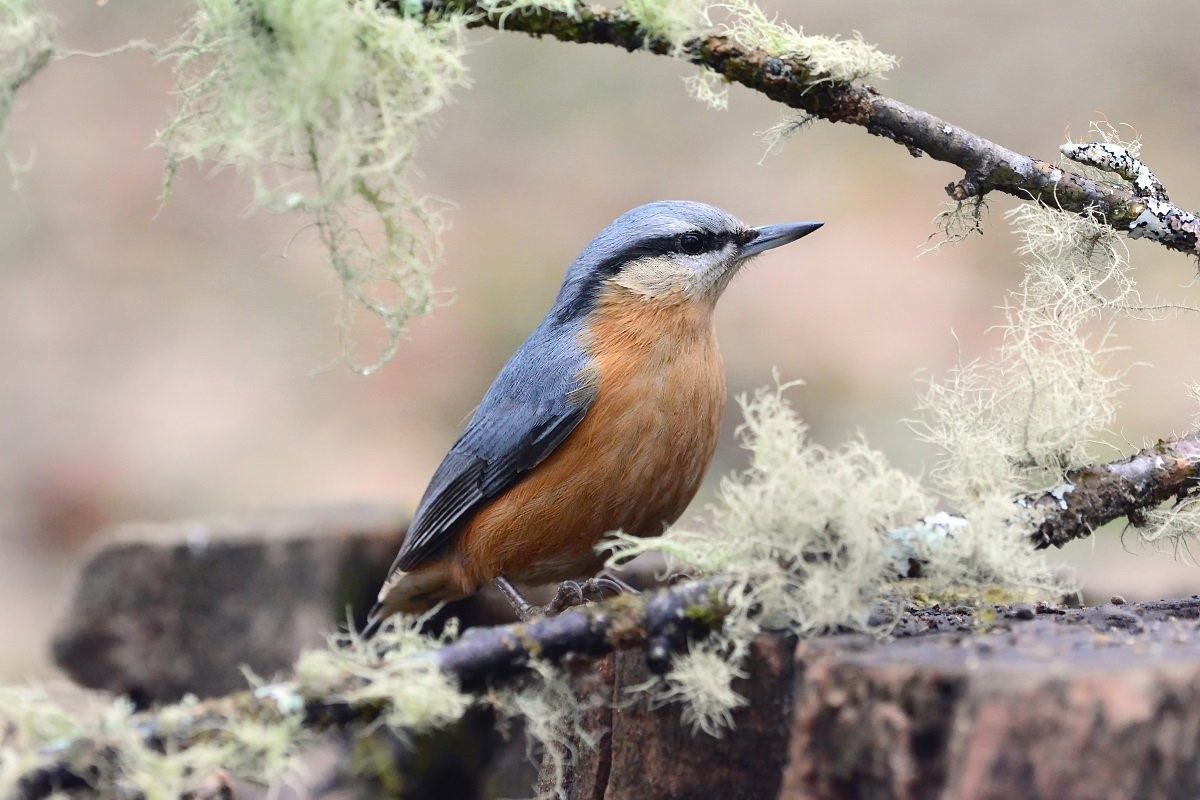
(606, 418)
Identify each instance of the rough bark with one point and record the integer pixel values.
(1097, 703)
(987, 166)
(643, 751)
(1010, 702)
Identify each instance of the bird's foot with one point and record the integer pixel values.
(574, 593)
(568, 595)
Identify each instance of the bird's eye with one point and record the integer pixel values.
(691, 243)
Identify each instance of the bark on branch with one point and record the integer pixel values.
(660, 621)
(987, 166)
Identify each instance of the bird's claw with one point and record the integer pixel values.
(568, 595)
(576, 593)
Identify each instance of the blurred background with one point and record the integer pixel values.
(179, 365)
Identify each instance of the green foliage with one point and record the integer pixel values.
(26, 46)
(321, 103)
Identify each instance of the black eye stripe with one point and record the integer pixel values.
(584, 294)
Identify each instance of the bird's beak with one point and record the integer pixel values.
(771, 236)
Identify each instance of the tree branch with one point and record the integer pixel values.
(662, 621)
(988, 166)
(1094, 496)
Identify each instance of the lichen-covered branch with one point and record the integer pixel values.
(792, 81)
(1087, 499)
(662, 621)
(1096, 495)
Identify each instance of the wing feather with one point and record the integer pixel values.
(503, 442)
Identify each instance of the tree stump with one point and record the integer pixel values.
(1093, 703)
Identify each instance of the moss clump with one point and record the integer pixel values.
(321, 103)
(26, 46)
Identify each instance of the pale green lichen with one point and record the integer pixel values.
(821, 511)
(26, 46)
(261, 742)
(29, 719)
(320, 103)
(672, 21)
(413, 692)
(701, 681)
(830, 57)
(503, 9)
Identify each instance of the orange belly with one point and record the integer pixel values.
(633, 464)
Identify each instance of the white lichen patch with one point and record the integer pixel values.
(1175, 528)
(835, 57)
(1117, 150)
(26, 46)
(1119, 161)
(320, 104)
(708, 88)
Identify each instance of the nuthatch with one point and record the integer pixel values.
(606, 418)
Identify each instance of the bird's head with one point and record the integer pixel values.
(672, 249)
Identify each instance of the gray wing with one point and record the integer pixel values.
(491, 456)
(533, 406)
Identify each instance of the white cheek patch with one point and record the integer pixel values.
(675, 273)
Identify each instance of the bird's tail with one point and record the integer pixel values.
(412, 593)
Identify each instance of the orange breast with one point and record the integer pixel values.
(636, 459)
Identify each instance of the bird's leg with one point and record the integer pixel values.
(524, 609)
